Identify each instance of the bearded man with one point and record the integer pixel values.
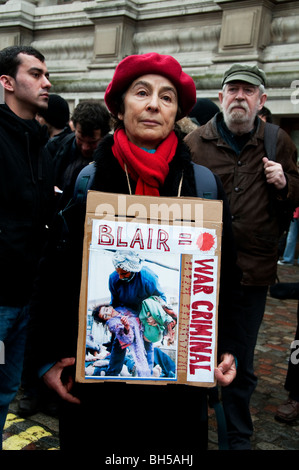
(232, 145)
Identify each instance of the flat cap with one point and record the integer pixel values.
(245, 73)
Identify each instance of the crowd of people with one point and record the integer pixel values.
(143, 141)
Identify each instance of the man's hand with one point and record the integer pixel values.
(226, 371)
(274, 173)
(52, 379)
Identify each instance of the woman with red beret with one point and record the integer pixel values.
(145, 156)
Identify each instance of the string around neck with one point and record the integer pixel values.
(128, 180)
(129, 184)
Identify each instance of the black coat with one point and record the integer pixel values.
(26, 204)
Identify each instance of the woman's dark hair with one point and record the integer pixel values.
(10, 59)
(96, 311)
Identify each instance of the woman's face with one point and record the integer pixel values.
(106, 312)
(150, 109)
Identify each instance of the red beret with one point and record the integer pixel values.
(135, 66)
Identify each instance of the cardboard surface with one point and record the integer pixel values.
(179, 241)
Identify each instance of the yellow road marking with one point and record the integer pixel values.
(19, 441)
(12, 419)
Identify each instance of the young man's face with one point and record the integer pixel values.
(87, 144)
(29, 90)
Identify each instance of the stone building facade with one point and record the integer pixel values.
(84, 40)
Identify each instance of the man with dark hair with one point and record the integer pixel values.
(91, 122)
(91, 117)
(26, 203)
(10, 58)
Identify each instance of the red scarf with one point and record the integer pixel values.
(148, 169)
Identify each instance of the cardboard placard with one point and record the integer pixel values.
(179, 243)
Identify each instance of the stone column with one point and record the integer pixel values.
(114, 31)
(245, 29)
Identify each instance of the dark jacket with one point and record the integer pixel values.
(57, 294)
(252, 201)
(26, 204)
(68, 162)
(55, 142)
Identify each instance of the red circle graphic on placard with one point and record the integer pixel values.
(205, 241)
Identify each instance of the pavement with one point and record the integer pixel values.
(40, 431)
(271, 362)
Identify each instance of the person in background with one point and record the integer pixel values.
(56, 117)
(288, 412)
(145, 155)
(291, 241)
(265, 114)
(203, 110)
(232, 146)
(26, 203)
(91, 122)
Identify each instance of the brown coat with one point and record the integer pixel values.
(255, 226)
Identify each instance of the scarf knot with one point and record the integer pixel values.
(149, 170)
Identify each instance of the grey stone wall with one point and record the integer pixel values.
(84, 40)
